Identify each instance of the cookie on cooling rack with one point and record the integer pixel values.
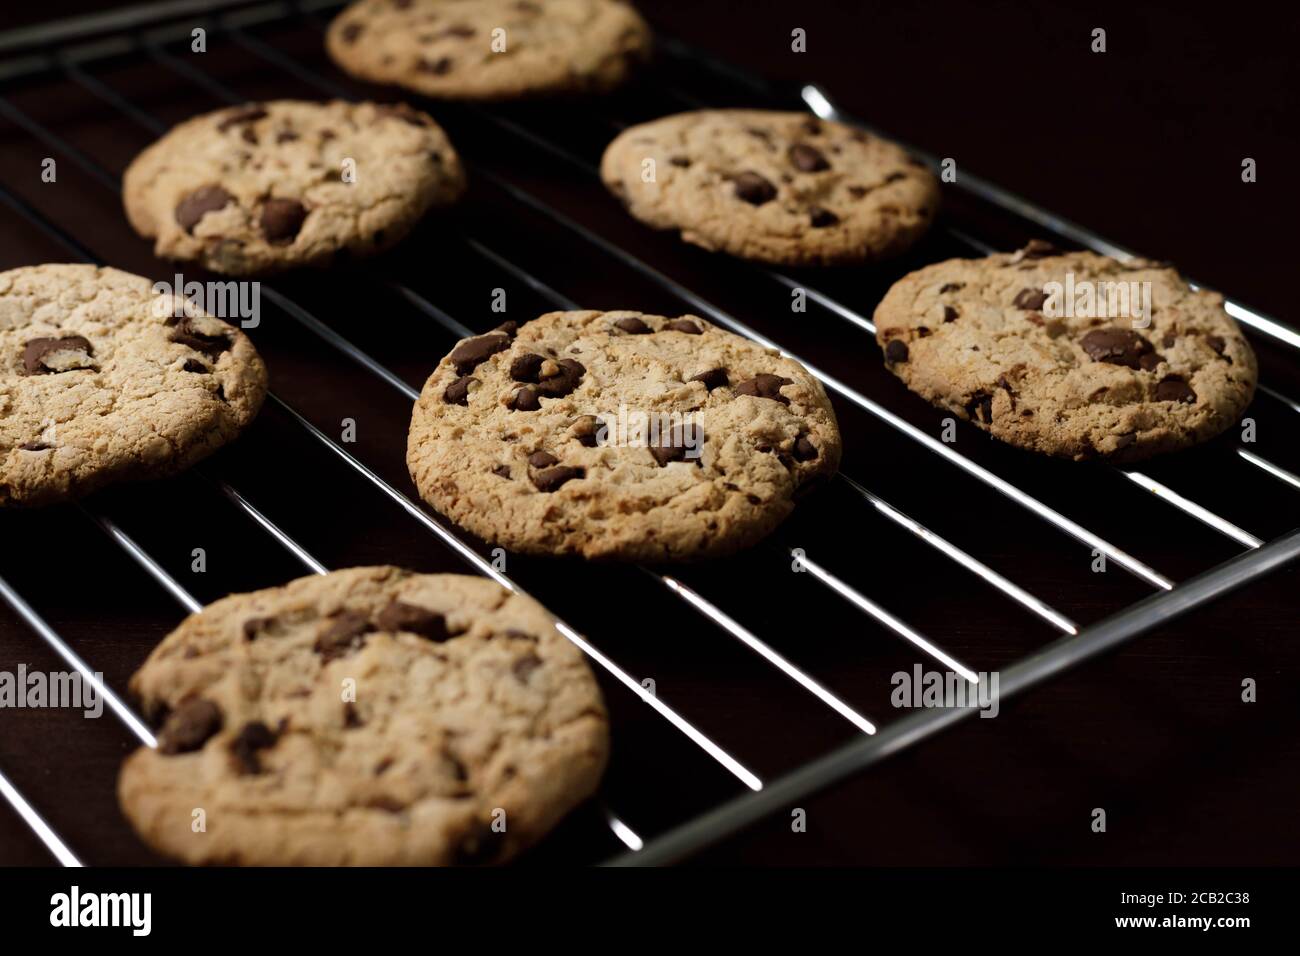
(253, 190)
(777, 187)
(366, 717)
(490, 49)
(100, 382)
(619, 435)
(1069, 353)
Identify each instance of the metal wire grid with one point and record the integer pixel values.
(1170, 600)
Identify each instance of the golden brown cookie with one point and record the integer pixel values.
(490, 49)
(102, 381)
(784, 188)
(253, 190)
(619, 435)
(367, 717)
(1071, 354)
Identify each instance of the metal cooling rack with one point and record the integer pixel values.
(73, 51)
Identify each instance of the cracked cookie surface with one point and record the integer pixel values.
(371, 717)
(619, 435)
(992, 341)
(777, 187)
(98, 384)
(490, 49)
(257, 189)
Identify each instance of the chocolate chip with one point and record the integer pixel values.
(678, 443)
(524, 400)
(564, 381)
(754, 189)
(254, 627)
(508, 328)
(524, 667)
(857, 192)
(501, 471)
(525, 367)
(34, 446)
(949, 314)
(633, 326)
(803, 449)
(194, 365)
(1116, 346)
(542, 459)
(681, 162)
(765, 386)
(346, 633)
(244, 114)
(400, 616)
(590, 431)
(439, 67)
(1030, 299)
(282, 219)
(1169, 340)
(457, 393)
(807, 159)
(951, 287)
(1216, 342)
(713, 378)
(552, 478)
(1173, 388)
(199, 203)
(351, 716)
(683, 325)
(351, 32)
(186, 333)
(980, 406)
(1150, 360)
(286, 136)
(470, 353)
(896, 351)
(821, 218)
(189, 726)
(244, 748)
(36, 350)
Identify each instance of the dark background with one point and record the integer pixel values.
(1143, 144)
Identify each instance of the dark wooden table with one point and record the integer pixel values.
(1142, 143)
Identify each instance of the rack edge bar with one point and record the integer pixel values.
(1059, 656)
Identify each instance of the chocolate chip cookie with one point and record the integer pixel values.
(102, 381)
(1069, 353)
(490, 49)
(257, 189)
(777, 187)
(366, 717)
(619, 435)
